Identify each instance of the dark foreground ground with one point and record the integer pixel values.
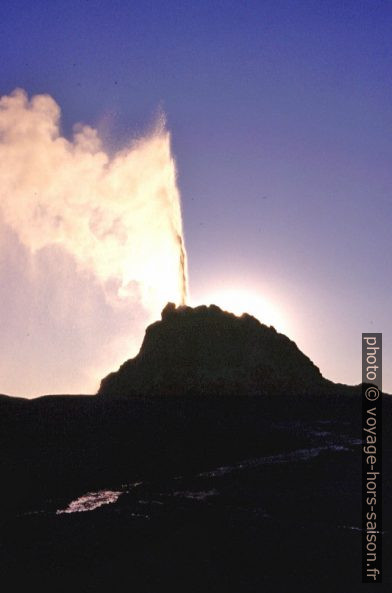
(214, 495)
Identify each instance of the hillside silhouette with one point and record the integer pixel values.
(224, 460)
(207, 351)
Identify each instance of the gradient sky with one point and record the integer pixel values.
(280, 114)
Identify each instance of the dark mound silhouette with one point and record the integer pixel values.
(259, 490)
(207, 351)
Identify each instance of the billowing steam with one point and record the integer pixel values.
(84, 235)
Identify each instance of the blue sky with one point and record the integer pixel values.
(280, 114)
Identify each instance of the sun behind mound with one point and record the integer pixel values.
(206, 351)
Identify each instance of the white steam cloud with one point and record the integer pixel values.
(91, 247)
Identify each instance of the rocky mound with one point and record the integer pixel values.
(207, 351)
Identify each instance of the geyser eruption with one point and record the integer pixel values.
(183, 270)
(76, 219)
(119, 217)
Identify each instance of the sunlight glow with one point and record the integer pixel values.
(245, 301)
